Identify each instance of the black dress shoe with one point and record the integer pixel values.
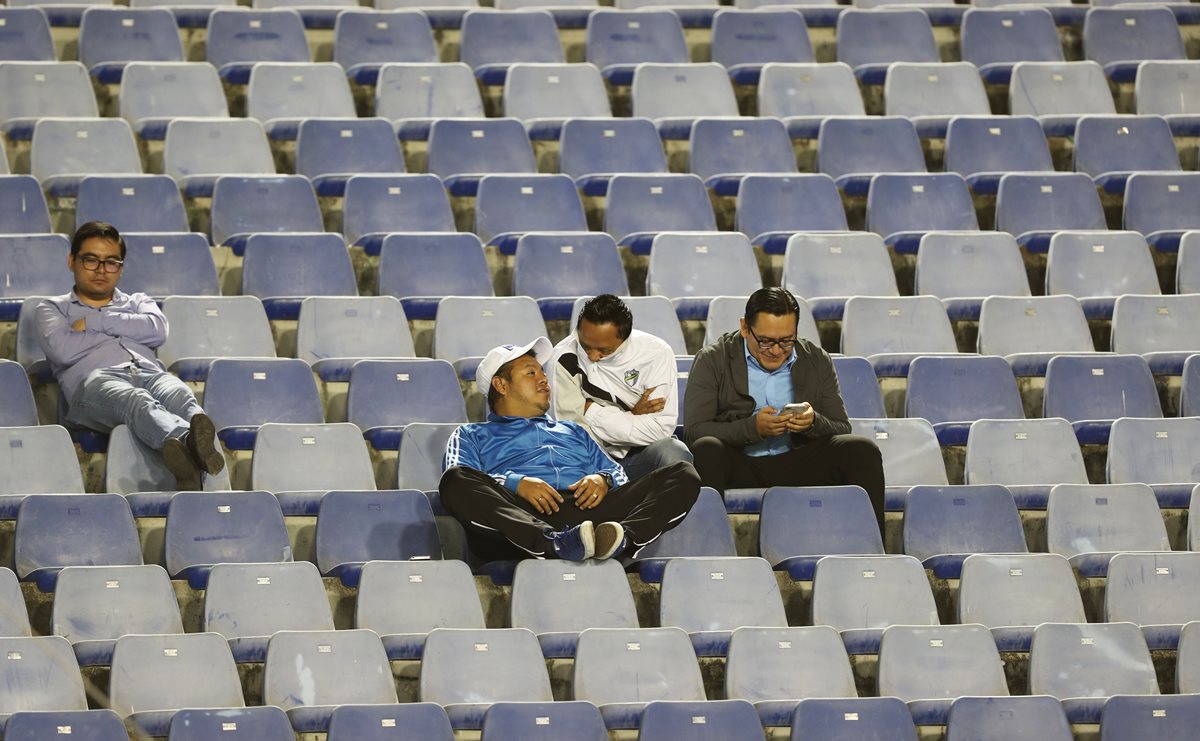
(182, 464)
(202, 442)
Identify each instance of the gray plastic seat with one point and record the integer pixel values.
(385, 396)
(827, 269)
(891, 332)
(154, 93)
(804, 94)
(1187, 668)
(508, 206)
(1167, 88)
(952, 392)
(1091, 391)
(1014, 593)
(1000, 718)
(1097, 267)
(206, 328)
(618, 40)
(1028, 332)
(39, 673)
(419, 460)
(281, 94)
(461, 151)
(593, 150)
(912, 455)
(467, 327)
(242, 395)
(945, 524)
(711, 597)
(904, 207)
(92, 725)
(1088, 524)
(66, 149)
(58, 530)
(984, 148)
(799, 525)
(410, 721)
(853, 149)
(1120, 38)
(870, 40)
(932, 93)
(723, 150)
(14, 620)
(365, 40)
(1159, 328)
(208, 528)
(1058, 93)
(544, 96)
(1111, 148)
(674, 95)
(413, 95)
(1157, 591)
(994, 39)
(558, 599)
(1149, 718)
(403, 600)
(639, 206)
(16, 398)
(35, 90)
(330, 151)
(543, 721)
(691, 268)
(335, 332)
(771, 208)
(197, 151)
(962, 269)
(1083, 664)
(492, 42)
(355, 527)
(267, 723)
(310, 458)
(1158, 452)
(556, 268)
(1035, 206)
(705, 532)
(859, 596)
(860, 719)
(375, 205)
(1028, 457)
(165, 263)
(421, 269)
(929, 667)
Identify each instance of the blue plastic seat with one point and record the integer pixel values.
(930, 94)
(543, 721)
(92, 725)
(237, 38)
(282, 94)
(467, 327)
(651, 314)
(415, 721)
(1187, 667)
(860, 719)
(690, 268)
(945, 524)
(198, 151)
(413, 95)
(22, 206)
(1156, 452)
(1120, 38)
(387, 395)
(617, 41)
(994, 39)
(567, 13)
(1091, 391)
(928, 667)
(40, 461)
(300, 462)
(1013, 593)
(419, 458)
(245, 205)
(39, 674)
(464, 671)
(544, 96)
(903, 208)
(317, 14)
(799, 525)
(1028, 332)
(33, 90)
(804, 94)
(247, 603)
(55, 531)
(32, 266)
(376, 205)
(132, 203)
(891, 332)
(853, 149)
(1089, 523)
(912, 455)
(555, 269)
(208, 528)
(1154, 590)
(1062, 11)
(1166, 88)
(206, 328)
(674, 95)
(282, 269)
(1058, 93)
(710, 597)
(592, 151)
(984, 148)
(859, 387)
(154, 93)
(154, 676)
(403, 600)
(334, 333)
(365, 40)
(763, 667)
(1027, 457)
(870, 40)
(963, 269)
(723, 151)
(621, 670)
(1187, 273)
(65, 150)
(309, 673)
(744, 41)
(27, 37)
(262, 723)
(331, 151)
(1148, 718)
(463, 151)
(953, 392)
(639, 206)
(715, 720)
(507, 206)
(1085, 664)
(111, 37)
(558, 599)
(692, 13)
(772, 208)
(859, 596)
(398, 526)
(704, 532)
(1162, 206)
(1031, 207)
(1158, 328)
(14, 620)
(998, 718)
(492, 41)
(1111, 148)
(16, 398)
(96, 605)
(240, 395)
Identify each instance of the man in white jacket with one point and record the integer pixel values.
(619, 383)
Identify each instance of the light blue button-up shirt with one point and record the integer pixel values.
(773, 389)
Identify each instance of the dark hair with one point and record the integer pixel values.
(608, 309)
(505, 372)
(94, 229)
(774, 301)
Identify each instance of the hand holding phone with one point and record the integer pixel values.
(795, 408)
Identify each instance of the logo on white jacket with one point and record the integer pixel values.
(631, 376)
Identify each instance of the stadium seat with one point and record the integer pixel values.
(870, 40)
(376, 205)
(674, 95)
(32, 265)
(619, 40)
(891, 332)
(953, 392)
(724, 151)
(1189, 396)
(691, 268)
(39, 674)
(1032, 207)
(96, 605)
(94, 725)
(902, 208)
(1158, 452)
(131, 203)
(994, 39)
(997, 718)
(859, 596)
(282, 269)
(208, 528)
(36, 90)
(704, 532)
(466, 670)
(14, 620)
(419, 458)
(859, 387)
(1187, 669)
(945, 524)
(1013, 593)
(592, 151)
(1162, 206)
(963, 269)
(860, 719)
(22, 206)
(198, 151)
(309, 673)
(744, 41)
(413, 95)
(109, 37)
(928, 667)
(1090, 391)
(416, 721)
(853, 149)
(262, 724)
(246, 205)
(206, 328)
(403, 600)
(300, 462)
(248, 602)
(762, 668)
(154, 93)
(27, 37)
(804, 94)
(544, 96)
(799, 525)
(558, 599)
(710, 597)
(41, 460)
(772, 208)
(467, 327)
(1087, 524)
(1148, 718)
(555, 269)
(1187, 276)
(1027, 456)
(16, 399)
(281, 95)
(1028, 332)
(317, 14)
(365, 40)
(543, 721)
(568, 14)
(65, 150)
(912, 455)
(238, 38)
(715, 720)
(354, 527)
(55, 531)
(1084, 664)
(1111, 148)
(492, 41)
(1166, 88)
(984, 148)
(153, 676)
(507, 206)
(1120, 38)
(1158, 328)
(242, 394)
(334, 333)
(132, 467)
(1154, 590)
(387, 395)
(461, 151)
(329, 151)
(1058, 93)
(642, 205)
(930, 94)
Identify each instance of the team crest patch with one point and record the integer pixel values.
(631, 376)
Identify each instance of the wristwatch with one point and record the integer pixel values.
(608, 479)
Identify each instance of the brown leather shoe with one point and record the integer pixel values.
(182, 465)
(202, 442)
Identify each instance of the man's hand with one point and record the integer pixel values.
(769, 423)
(589, 491)
(803, 421)
(541, 495)
(646, 405)
(80, 325)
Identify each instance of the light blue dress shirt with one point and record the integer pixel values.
(774, 389)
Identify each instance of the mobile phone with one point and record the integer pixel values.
(797, 408)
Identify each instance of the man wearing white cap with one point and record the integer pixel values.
(525, 485)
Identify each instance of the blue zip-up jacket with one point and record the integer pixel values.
(510, 448)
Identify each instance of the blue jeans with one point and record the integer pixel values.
(655, 456)
(155, 404)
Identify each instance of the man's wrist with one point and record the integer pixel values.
(608, 478)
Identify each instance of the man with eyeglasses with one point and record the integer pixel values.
(762, 408)
(100, 343)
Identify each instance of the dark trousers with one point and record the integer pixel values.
(502, 525)
(821, 461)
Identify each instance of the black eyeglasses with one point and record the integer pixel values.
(111, 265)
(766, 343)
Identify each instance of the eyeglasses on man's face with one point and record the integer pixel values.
(766, 343)
(91, 262)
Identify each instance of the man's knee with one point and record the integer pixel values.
(860, 450)
(669, 450)
(707, 446)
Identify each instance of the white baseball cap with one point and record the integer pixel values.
(498, 356)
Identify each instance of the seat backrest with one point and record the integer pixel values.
(32, 264)
(720, 594)
(962, 389)
(115, 35)
(353, 327)
(40, 460)
(102, 603)
(397, 392)
(1189, 395)
(215, 326)
(724, 147)
(425, 90)
(366, 37)
(554, 596)
(782, 203)
(1009, 590)
(153, 91)
(289, 461)
(935, 89)
(685, 265)
(866, 37)
(206, 528)
(520, 203)
(54, 531)
(641, 203)
(555, 91)
(417, 596)
(995, 718)
(1160, 201)
(945, 661)
(22, 205)
(267, 723)
(216, 147)
(257, 599)
(28, 36)
(871, 592)
(568, 264)
(252, 392)
(762, 664)
(700, 720)
(1008, 35)
(911, 453)
(1059, 88)
(941, 520)
(956, 264)
(636, 665)
(1166, 87)
(39, 673)
(483, 666)
(16, 399)
(1014, 452)
(253, 204)
(477, 146)
(1050, 324)
(809, 90)
(628, 38)
(543, 720)
(1151, 324)
(1153, 451)
(438, 264)
(1152, 588)
(375, 204)
(682, 90)
(411, 720)
(298, 90)
(1131, 34)
(491, 38)
(469, 326)
(1090, 660)
(326, 667)
(744, 37)
(817, 521)
(419, 462)
(859, 387)
(854, 145)
(131, 203)
(1130, 716)
(610, 146)
(1187, 276)
(292, 266)
(172, 672)
(96, 725)
(398, 525)
(14, 620)
(1102, 518)
(80, 146)
(874, 718)
(30, 90)
(1053, 201)
(978, 144)
(1086, 387)
(347, 147)
(1105, 144)
(919, 203)
(240, 36)
(913, 324)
